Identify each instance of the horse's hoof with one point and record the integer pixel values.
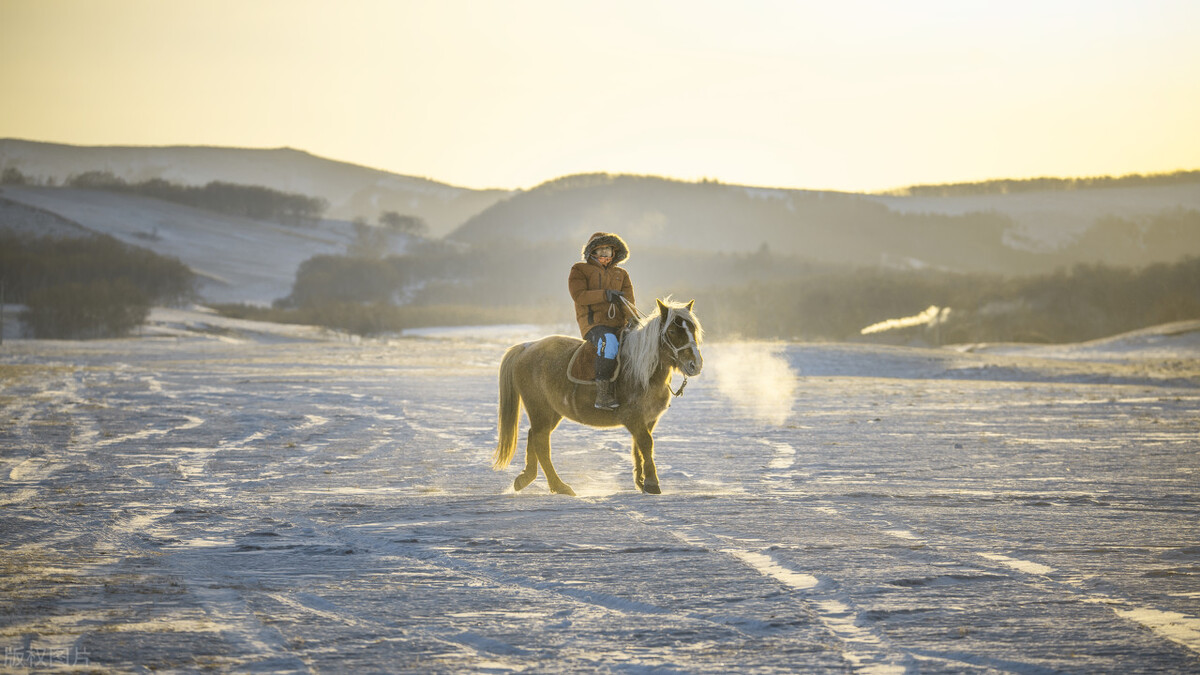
(652, 489)
(522, 482)
(562, 489)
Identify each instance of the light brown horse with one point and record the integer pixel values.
(535, 374)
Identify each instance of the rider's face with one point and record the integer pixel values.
(604, 254)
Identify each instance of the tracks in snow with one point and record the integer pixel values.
(324, 518)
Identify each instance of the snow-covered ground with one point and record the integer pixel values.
(231, 496)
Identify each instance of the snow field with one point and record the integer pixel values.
(281, 503)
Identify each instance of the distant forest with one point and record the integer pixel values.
(758, 295)
(1082, 303)
(87, 287)
(1009, 186)
(229, 198)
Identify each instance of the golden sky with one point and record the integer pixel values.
(843, 94)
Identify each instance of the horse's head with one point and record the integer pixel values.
(680, 334)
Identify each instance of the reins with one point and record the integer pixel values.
(679, 393)
(663, 338)
(632, 307)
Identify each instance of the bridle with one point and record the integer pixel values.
(662, 338)
(690, 344)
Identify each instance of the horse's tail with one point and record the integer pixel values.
(510, 409)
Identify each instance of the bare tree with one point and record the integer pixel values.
(410, 225)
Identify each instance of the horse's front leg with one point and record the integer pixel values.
(639, 473)
(645, 475)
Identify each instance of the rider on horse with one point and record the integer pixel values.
(600, 288)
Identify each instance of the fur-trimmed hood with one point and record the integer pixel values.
(620, 248)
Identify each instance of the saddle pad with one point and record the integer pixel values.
(582, 368)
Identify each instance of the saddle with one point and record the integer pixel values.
(582, 368)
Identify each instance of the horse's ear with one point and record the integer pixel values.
(663, 309)
(689, 305)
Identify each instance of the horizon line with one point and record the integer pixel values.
(897, 191)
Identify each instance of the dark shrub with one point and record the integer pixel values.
(101, 309)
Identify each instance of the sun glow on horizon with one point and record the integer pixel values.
(855, 96)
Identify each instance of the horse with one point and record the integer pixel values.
(535, 374)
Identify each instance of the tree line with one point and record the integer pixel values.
(87, 287)
(434, 284)
(250, 201)
(757, 295)
(1084, 302)
(1010, 185)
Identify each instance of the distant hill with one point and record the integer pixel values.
(1003, 186)
(1054, 219)
(236, 259)
(352, 190)
(1016, 233)
(1005, 227)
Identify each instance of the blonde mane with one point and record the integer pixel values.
(639, 352)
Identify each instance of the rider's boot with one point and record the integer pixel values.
(604, 395)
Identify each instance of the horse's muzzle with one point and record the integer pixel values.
(691, 363)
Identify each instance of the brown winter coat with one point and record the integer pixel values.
(588, 281)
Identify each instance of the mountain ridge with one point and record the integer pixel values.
(1014, 232)
(1017, 233)
(352, 190)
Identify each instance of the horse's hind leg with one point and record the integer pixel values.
(539, 443)
(531, 464)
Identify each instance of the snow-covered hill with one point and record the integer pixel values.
(352, 190)
(1018, 233)
(247, 261)
(237, 259)
(1048, 220)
